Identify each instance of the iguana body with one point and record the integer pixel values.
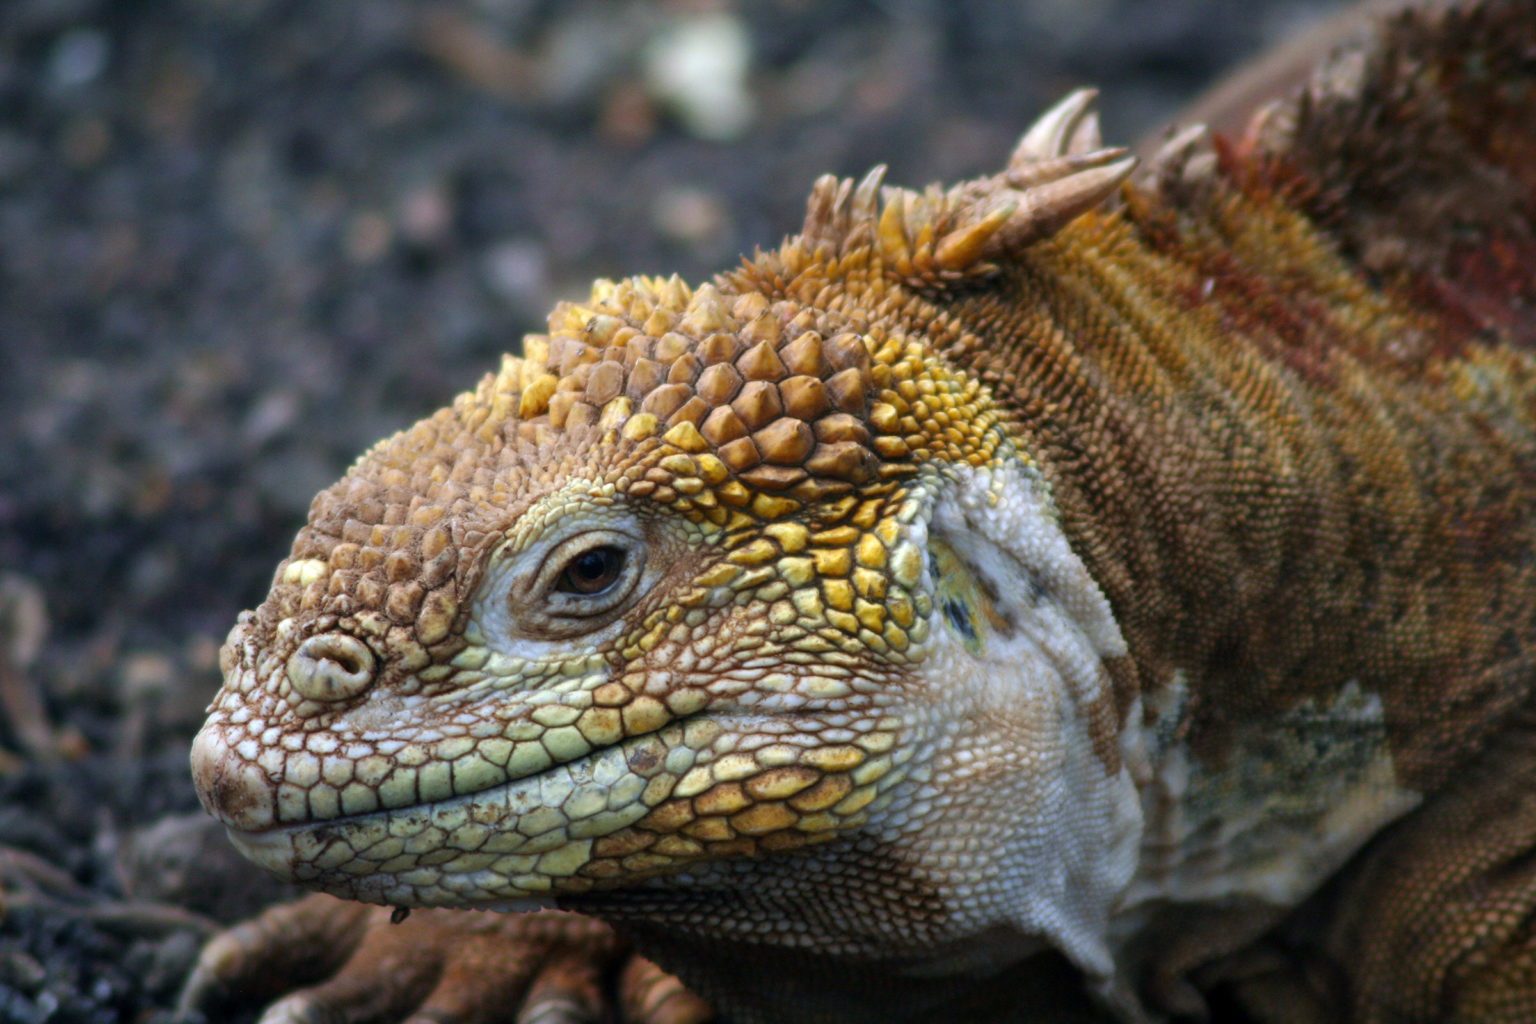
(1039, 570)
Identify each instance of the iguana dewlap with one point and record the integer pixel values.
(1063, 579)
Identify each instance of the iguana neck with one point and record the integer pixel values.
(1272, 468)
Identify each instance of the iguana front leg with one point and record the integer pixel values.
(323, 959)
(1435, 921)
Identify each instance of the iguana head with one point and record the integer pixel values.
(705, 581)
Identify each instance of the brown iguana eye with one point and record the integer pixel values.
(592, 572)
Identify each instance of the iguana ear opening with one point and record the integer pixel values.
(933, 239)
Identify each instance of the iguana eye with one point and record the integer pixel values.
(581, 582)
(593, 572)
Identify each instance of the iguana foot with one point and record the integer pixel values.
(442, 966)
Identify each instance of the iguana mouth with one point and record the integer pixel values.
(253, 795)
(644, 806)
(538, 826)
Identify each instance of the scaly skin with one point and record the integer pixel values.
(1046, 571)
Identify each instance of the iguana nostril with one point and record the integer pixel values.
(331, 667)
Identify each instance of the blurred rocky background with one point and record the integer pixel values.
(240, 240)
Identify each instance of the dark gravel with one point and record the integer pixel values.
(242, 239)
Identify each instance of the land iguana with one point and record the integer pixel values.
(1076, 594)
